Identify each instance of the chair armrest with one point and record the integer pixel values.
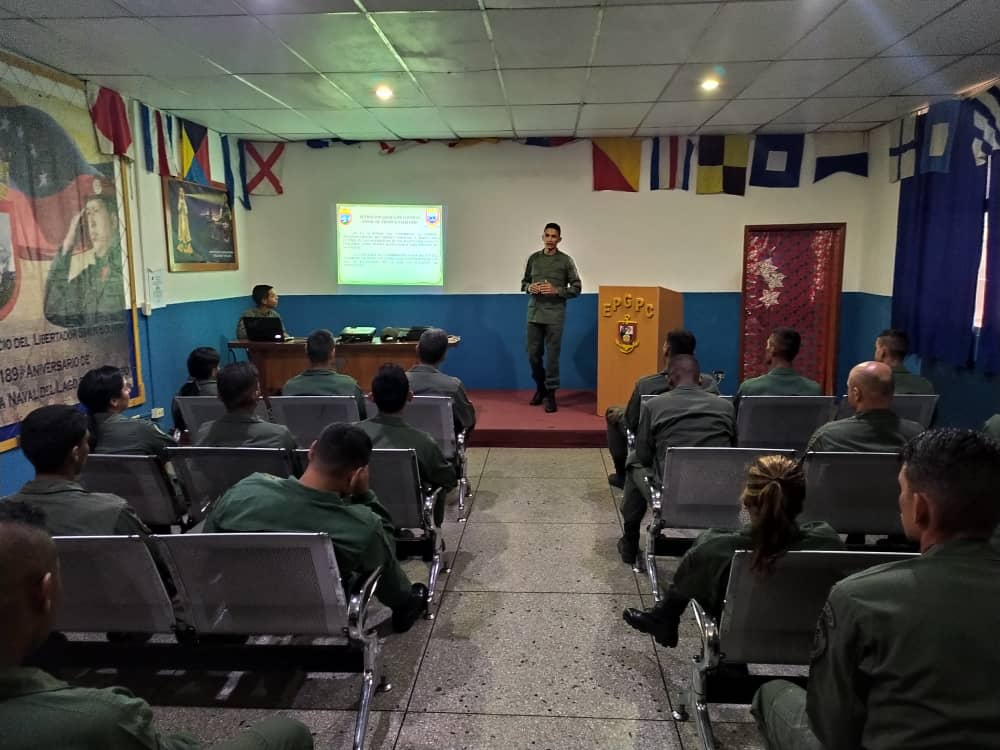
(655, 497)
(430, 500)
(630, 439)
(357, 607)
(708, 630)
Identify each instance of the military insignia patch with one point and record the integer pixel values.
(628, 335)
(825, 624)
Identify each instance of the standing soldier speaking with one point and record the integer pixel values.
(550, 278)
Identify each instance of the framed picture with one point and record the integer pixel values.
(201, 232)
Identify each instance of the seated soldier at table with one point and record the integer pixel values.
(387, 429)
(322, 379)
(781, 379)
(203, 369)
(332, 497)
(874, 428)
(686, 416)
(620, 418)
(239, 391)
(891, 348)
(773, 498)
(104, 392)
(905, 653)
(426, 379)
(39, 711)
(265, 300)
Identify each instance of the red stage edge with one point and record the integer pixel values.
(504, 419)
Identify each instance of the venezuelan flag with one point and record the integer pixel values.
(616, 164)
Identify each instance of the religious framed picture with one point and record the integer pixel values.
(201, 231)
(792, 276)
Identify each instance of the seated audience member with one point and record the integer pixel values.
(239, 391)
(773, 497)
(265, 301)
(203, 368)
(39, 711)
(905, 653)
(321, 379)
(874, 428)
(891, 348)
(426, 379)
(686, 416)
(105, 394)
(54, 439)
(781, 379)
(992, 427)
(388, 429)
(619, 418)
(332, 497)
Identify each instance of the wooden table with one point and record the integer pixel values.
(279, 361)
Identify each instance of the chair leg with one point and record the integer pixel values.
(699, 696)
(371, 681)
(432, 578)
(654, 579)
(463, 493)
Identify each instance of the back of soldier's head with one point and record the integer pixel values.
(29, 573)
(341, 449)
(785, 343)
(99, 387)
(874, 381)
(238, 385)
(319, 346)
(390, 389)
(49, 434)
(202, 362)
(684, 370)
(896, 343)
(681, 341)
(433, 345)
(959, 472)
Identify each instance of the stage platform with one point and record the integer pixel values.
(504, 419)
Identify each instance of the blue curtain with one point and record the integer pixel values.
(989, 335)
(938, 248)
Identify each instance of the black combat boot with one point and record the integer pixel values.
(550, 401)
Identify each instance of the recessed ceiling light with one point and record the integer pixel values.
(710, 84)
(383, 92)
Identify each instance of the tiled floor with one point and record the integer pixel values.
(528, 649)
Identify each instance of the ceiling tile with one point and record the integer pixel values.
(628, 83)
(605, 132)
(415, 122)
(733, 78)
(145, 88)
(128, 46)
(863, 28)
(543, 38)
(302, 90)
(849, 127)
(600, 116)
(272, 7)
(486, 133)
(967, 28)
(182, 7)
(411, 5)
(5, 14)
(648, 132)
(334, 43)
(275, 120)
(758, 30)
(460, 89)
(680, 114)
(351, 121)
(650, 34)
(439, 42)
(960, 75)
(296, 137)
(540, 3)
(547, 118)
(885, 75)
(361, 88)
(240, 44)
(797, 78)
(477, 119)
(887, 109)
(64, 9)
(825, 110)
(777, 127)
(743, 111)
(221, 92)
(218, 120)
(544, 133)
(33, 40)
(547, 86)
(726, 129)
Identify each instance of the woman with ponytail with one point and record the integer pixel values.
(104, 392)
(772, 499)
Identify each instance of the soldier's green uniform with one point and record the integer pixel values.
(392, 431)
(685, 417)
(240, 429)
(904, 657)
(201, 388)
(992, 426)
(875, 431)
(359, 527)
(116, 433)
(322, 381)
(72, 511)
(427, 380)
(906, 382)
(95, 295)
(39, 711)
(703, 572)
(257, 312)
(780, 381)
(547, 313)
(618, 418)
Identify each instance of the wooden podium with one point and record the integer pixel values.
(632, 322)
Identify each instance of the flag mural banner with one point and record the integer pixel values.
(902, 148)
(263, 167)
(65, 281)
(670, 163)
(617, 162)
(777, 160)
(840, 152)
(940, 124)
(159, 141)
(195, 166)
(111, 125)
(986, 124)
(722, 164)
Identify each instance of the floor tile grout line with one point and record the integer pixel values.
(544, 593)
(666, 720)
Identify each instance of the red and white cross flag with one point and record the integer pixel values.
(264, 165)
